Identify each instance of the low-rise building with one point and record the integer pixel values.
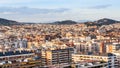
(76, 58)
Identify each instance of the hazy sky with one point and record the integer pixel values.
(53, 10)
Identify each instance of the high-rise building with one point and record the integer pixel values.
(57, 56)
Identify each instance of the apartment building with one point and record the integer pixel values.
(112, 47)
(114, 59)
(76, 58)
(57, 56)
(15, 56)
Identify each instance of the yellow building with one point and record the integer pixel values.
(112, 47)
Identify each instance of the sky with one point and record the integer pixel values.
(57, 10)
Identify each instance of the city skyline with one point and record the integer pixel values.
(54, 10)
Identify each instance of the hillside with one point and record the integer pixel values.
(68, 22)
(104, 21)
(8, 22)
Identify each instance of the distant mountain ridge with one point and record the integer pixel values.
(8, 22)
(100, 22)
